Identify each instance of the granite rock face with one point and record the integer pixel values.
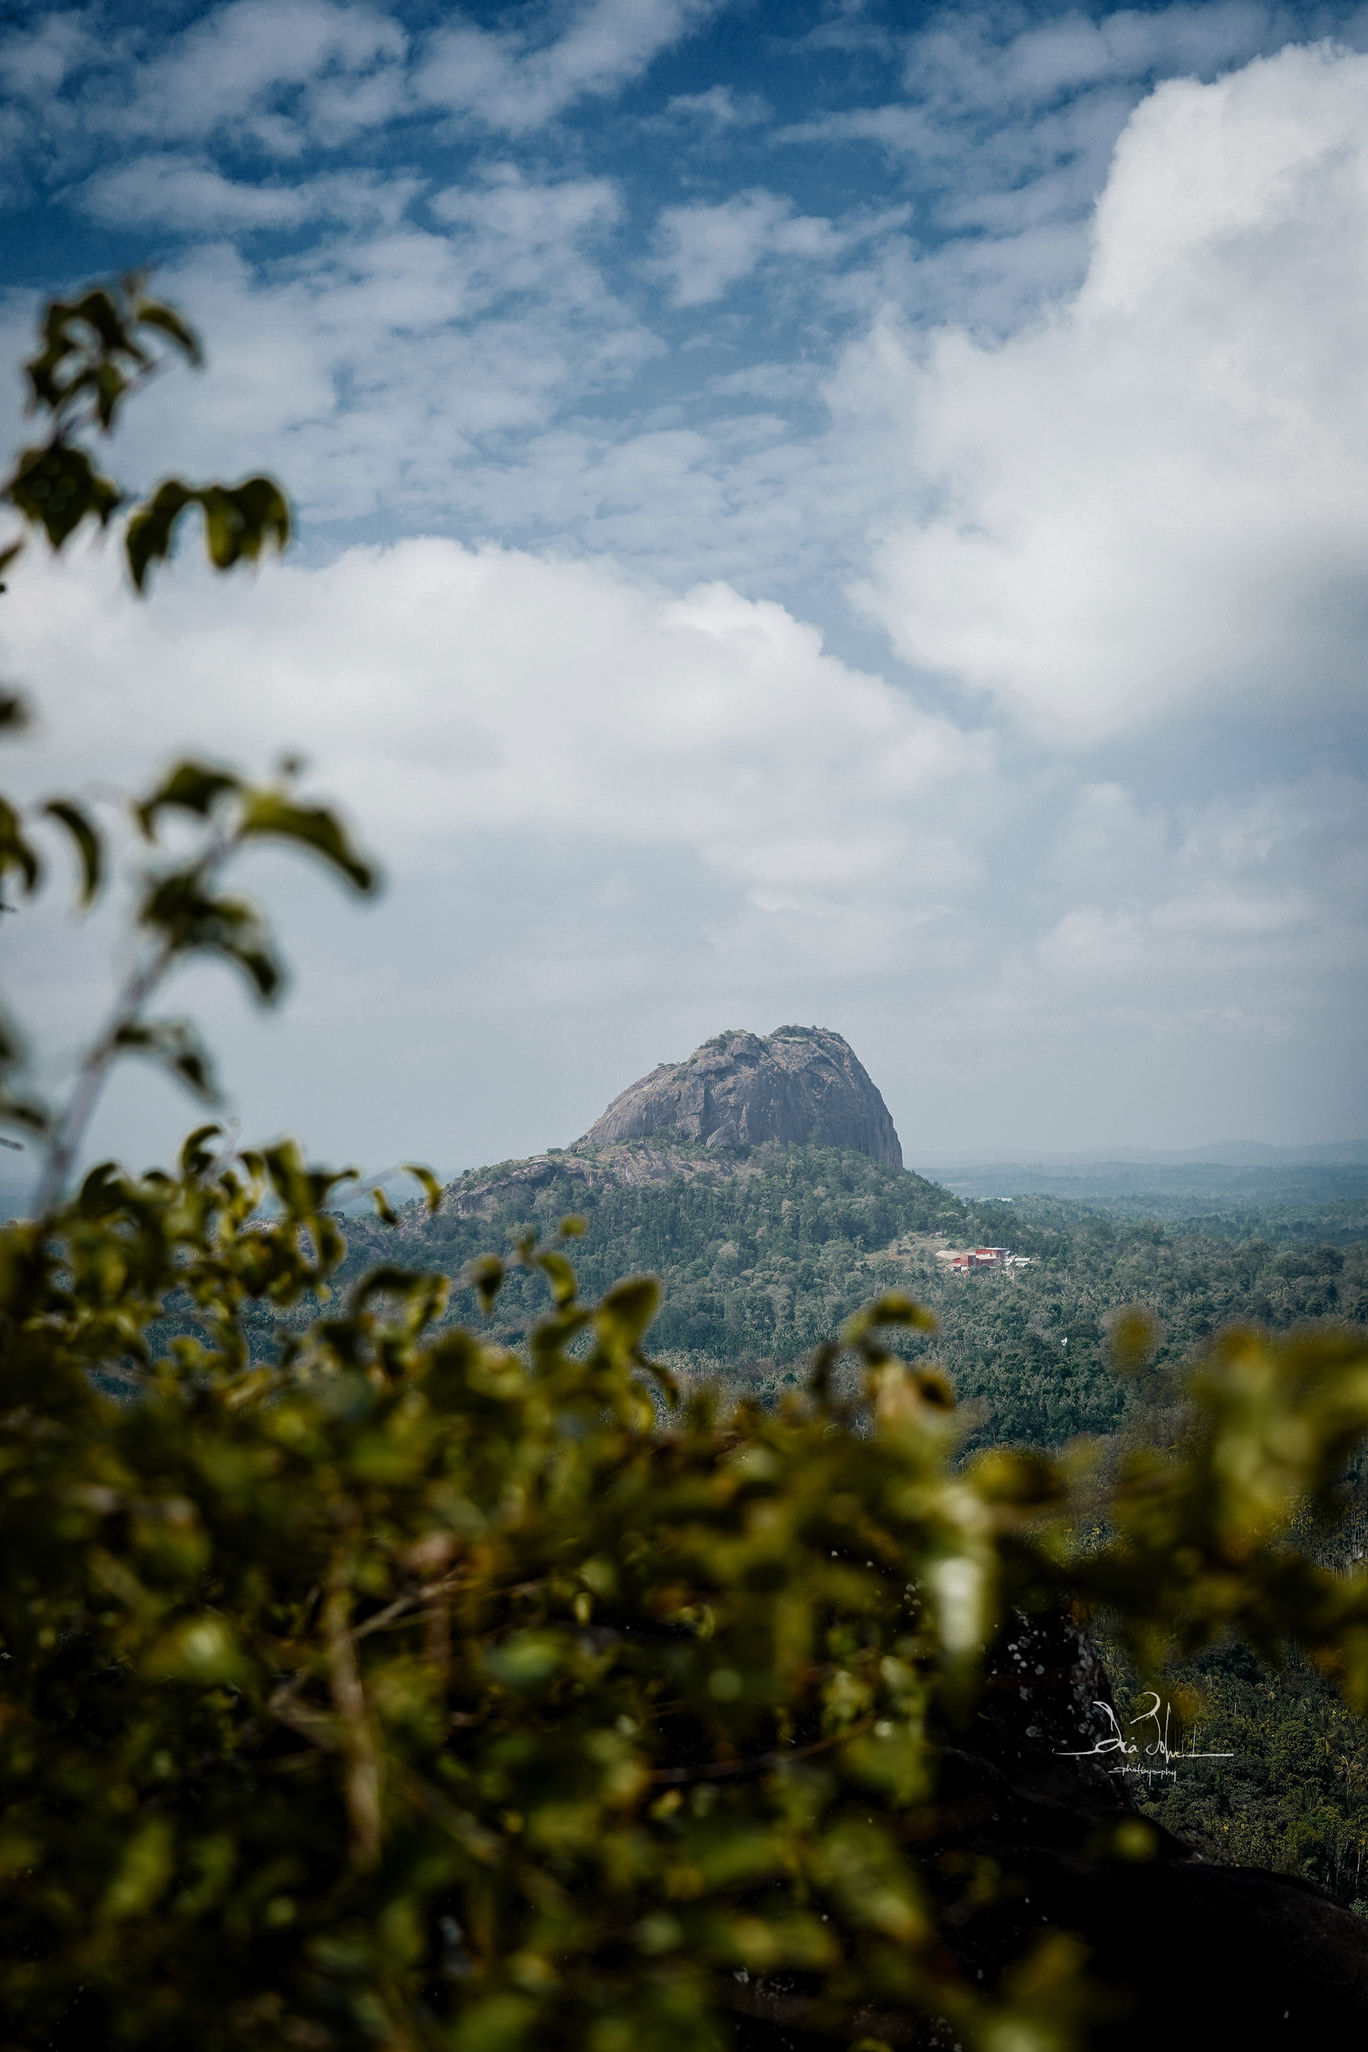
(801, 1086)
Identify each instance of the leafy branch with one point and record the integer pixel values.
(96, 351)
(184, 912)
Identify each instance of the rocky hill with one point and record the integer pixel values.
(801, 1086)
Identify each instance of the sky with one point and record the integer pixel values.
(835, 513)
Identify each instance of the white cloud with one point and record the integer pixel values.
(529, 232)
(274, 72)
(35, 62)
(1007, 125)
(364, 369)
(503, 80)
(188, 193)
(718, 108)
(705, 250)
(1156, 493)
(446, 693)
(968, 64)
(618, 819)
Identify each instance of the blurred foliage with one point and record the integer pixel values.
(417, 1691)
(94, 352)
(408, 1689)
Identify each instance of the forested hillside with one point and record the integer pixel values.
(760, 1265)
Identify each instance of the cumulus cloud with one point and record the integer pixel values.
(1007, 120)
(1155, 494)
(448, 692)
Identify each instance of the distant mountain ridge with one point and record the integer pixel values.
(1213, 1153)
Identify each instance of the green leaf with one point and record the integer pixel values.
(383, 1206)
(290, 1179)
(151, 529)
(18, 1111)
(11, 1047)
(431, 1186)
(148, 1855)
(625, 1312)
(559, 1274)
(894, 1307)
(486, 1277)
(189, 921)
(201, 1650)
(14, 709)
(242, 520)
(81, 337)
(195, 1156)
(155, 313)
(177, 1047)
(268, 813)
(423, 1292)
(57, 487)
(102, 1191)
(526, 1660)
(88, 844)
(194, 787)
(1134, 1335)
(15, 851)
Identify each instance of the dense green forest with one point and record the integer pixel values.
(1293, 1796)
(760, 1266)
(1283, 1202)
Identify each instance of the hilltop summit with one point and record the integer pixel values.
(801, 1086)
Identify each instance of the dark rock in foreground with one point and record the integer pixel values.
(801, 1086)
(1182, 1955)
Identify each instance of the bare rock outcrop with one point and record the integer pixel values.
(801, 1086)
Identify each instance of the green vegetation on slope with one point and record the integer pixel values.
(759, 1267)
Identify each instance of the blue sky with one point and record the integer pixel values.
(846, 513)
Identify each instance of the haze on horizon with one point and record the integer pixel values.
(839, 513)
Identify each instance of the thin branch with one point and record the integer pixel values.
(757, 1763)
(362, 1756)
(65, 1144)
(99, 1059)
